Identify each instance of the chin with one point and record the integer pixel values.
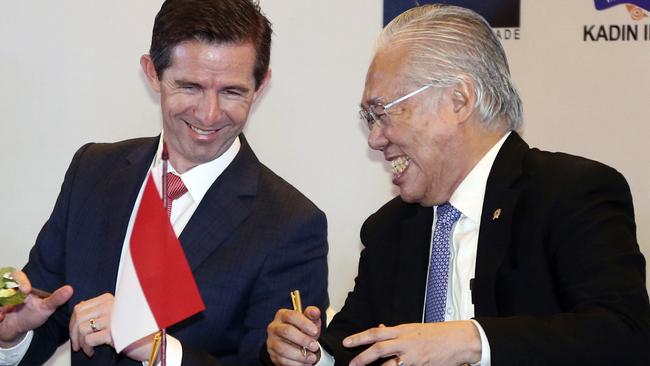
(408, 197)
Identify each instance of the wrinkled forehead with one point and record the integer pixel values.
(213, 51)
(386, 76)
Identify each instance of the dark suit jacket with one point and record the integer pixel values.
(252, 239)
(559, 276)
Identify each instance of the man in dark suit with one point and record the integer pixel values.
(494, 253)
(249, 237)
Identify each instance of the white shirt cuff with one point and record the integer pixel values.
(485, 346)
(325, 358)
(12, 356)
(174, 353)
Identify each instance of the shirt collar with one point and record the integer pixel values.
(468, 196)
(200, 178)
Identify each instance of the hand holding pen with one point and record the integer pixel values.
(293, 334)
(16, 321)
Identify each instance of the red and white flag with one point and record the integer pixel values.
(156, 288)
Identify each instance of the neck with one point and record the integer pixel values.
(478, 140)
(181, 166)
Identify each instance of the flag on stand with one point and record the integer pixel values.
(156, 288)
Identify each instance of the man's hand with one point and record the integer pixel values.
(289, 332)
(140, 350)
(97, 312)
(90, 324)
(16, 321)
(447, 343)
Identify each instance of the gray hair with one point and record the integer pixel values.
(447, 44)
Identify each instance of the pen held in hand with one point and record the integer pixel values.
(40, 293)
(297, 306)
(295, 300)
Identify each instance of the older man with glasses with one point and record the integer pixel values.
(493, 253)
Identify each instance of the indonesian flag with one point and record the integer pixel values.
(156, 288)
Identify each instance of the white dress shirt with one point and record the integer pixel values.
(468, 199)
(197, 180)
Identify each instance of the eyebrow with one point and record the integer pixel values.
(182, 82)
(243, 89)
(372, 101)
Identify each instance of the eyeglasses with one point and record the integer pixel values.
(377, 111)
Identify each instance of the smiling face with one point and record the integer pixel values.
(423, 137)
(205, 96)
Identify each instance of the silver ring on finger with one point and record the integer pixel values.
(399, 361)
(93, 325)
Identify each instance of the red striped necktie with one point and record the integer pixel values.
(175, 189)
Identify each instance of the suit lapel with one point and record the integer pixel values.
(121, 192)
(226, 205)
(411, 273)
(496, 223)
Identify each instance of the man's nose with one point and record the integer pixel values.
(376, 138)
(209, 108)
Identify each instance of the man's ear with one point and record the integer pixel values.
(150, 72)
(263, 84)
(463, 98)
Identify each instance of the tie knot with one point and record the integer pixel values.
(447, 214)
(175, 186)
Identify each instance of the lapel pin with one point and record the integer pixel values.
(496, 214)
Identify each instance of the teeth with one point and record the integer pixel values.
(200, 131)
(400, 164)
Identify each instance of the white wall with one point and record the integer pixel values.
(70, 75)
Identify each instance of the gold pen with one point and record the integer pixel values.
(297, 306)
(154, 349)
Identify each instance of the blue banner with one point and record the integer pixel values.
(499, 13)
(606, 4)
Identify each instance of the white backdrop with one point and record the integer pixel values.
(70, 74)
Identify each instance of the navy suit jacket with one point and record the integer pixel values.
(252, 239)
(559, 276)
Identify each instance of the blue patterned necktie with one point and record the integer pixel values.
(434, 310)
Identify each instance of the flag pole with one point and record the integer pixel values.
(154, 243)
(163, 332)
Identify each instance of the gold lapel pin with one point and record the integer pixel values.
(496, 214)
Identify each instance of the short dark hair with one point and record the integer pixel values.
(211, 21)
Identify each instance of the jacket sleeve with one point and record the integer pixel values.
(359, 313)
(46, 270)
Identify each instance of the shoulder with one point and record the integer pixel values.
(560, 186)
(272, 193)
(95, 162)
(517, 161)
(286, 219)
(99, 156)
(387, 219)
(569, 171)
(276, 191)
(98, 152)
(394, 210)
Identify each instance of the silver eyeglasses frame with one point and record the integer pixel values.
(374, 113)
